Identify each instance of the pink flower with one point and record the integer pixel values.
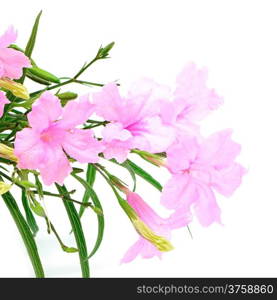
(3, 101)
(11, 61)
(198, 170)
(160, 226)
(134, 122)
(53, 132)
(191, 101)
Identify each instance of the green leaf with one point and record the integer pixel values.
(90, 178)
(77, 170)
(143, 174)
(28, 213)
(39, 186)
(37, 208)
(24, 183)
(69, 249)
(31, 44)
(77, 230)
(32, 40)
(100, 218)
(132, 173)
(25, 232)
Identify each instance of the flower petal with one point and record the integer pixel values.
(55, 167)
(192, 97)
(117, 149)
(178, 191)
(219, 150)
(45, 111)
(181, 154)
(206, 207)
(81, 145)
(226, 181)
(76, 112)
(115, 131)
(8, 37)
(29, 149)
(3, 101)
(108, 103)
(133, 251)
(152, 135)
(12, 63)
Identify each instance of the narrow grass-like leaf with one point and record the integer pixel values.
(132, 173)
(77, 230)
(32, 40)
(31, 44)
(28, 213)
(90, 178)
(100, 218)
(25, 232)
(143, 174)
(39, 186)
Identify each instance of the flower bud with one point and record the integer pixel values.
(7, 152)
(161, 243)
(15, 88)
(67, 96)
(42, 74)
(4, 187)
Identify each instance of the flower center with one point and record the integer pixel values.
(52, 135)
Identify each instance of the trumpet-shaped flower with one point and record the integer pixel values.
(191, 101)
(134, 122)
(12, 61)
(53, 134)
(3, 102)
(160, 226)
(198, 170)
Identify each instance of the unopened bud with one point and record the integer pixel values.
(15, 88)
(44, 75)
(161, 243)
(4, 187)
(7, 152)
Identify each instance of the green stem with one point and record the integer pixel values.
(86, 67)
(87, 204)
(72, 80)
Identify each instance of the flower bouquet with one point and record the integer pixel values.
(50, 134)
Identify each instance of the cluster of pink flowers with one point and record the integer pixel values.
(152, 118)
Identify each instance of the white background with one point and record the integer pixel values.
(236, 40)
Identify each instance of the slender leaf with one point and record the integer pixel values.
(90, 177)
(29, 215)
(32, 40)
(39, 186)
(31, 44)
(143, 174)
(77, 230)
(25, 232)
(100, 218)
(132, 173)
